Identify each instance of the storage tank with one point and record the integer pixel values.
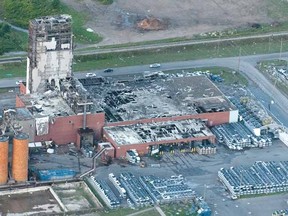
(20, 157)
(3, 159)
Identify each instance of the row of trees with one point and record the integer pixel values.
(19, 12)
(9, 40)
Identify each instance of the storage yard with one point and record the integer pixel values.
(203, 179)
(260, 178)
(237, 136)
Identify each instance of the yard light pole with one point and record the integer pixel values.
(269, 105)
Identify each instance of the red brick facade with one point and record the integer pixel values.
(64, 129)
(120, 150)
(19, 102)
(22, 88)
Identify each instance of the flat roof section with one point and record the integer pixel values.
(44, 105)
(156, 132)
(23, 114)
(161, 96)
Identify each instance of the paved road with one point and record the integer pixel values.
(246, 65)
(160, 211)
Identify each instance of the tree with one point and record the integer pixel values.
(55, 4)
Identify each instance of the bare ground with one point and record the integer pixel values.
(116, 22)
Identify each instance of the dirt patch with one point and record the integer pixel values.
(39, 202)
(117, 23)
(152, 24)
(76, 196)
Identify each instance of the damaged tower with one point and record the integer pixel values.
(50, 52)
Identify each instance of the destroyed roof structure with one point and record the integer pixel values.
(49, 52)
(147, 98)
(141, 136)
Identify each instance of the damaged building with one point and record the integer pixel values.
(52, 104)
(59, 115)
(139, 113)
(49, 52)
(144, 113)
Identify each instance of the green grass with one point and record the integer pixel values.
(277, 10)
(229, 76)
(263, 66)
(19, 40)
(126, 211)
(13, 70)
(106, 2)
(181, 53)
(5, 90)
(180, 209)
(79, 19)
(152, 212)
(11, 40)
(20, 12)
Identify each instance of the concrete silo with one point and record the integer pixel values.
(3, 159)
(20, 157)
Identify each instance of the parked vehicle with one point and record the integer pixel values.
(155, 65)
(18, 82)
(108, 70)
(90, 75)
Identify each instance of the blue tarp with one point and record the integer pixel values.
(48, 175)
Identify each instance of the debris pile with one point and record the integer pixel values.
(149, 24)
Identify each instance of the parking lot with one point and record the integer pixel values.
(200, 172)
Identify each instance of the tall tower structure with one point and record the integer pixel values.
(20, 156)
(49, 53)
(4, 159)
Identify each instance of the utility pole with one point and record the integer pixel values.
(281, 47)
(269, 44)
(239, 60)
(218, 46)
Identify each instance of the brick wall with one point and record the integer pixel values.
(120, 150)
(19, 102)
(64, 129)
(22, 88)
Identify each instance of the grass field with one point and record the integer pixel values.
(229, 76)
(180, 209)
(127, 211)
(181, 53)
(262, 66)
(13, 70)
(79, 30)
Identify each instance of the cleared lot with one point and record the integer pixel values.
(117, 22)
(32, 203)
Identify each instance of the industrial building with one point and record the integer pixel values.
(143, 112)
(52, 104)
(146, 137)
(156, 109)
